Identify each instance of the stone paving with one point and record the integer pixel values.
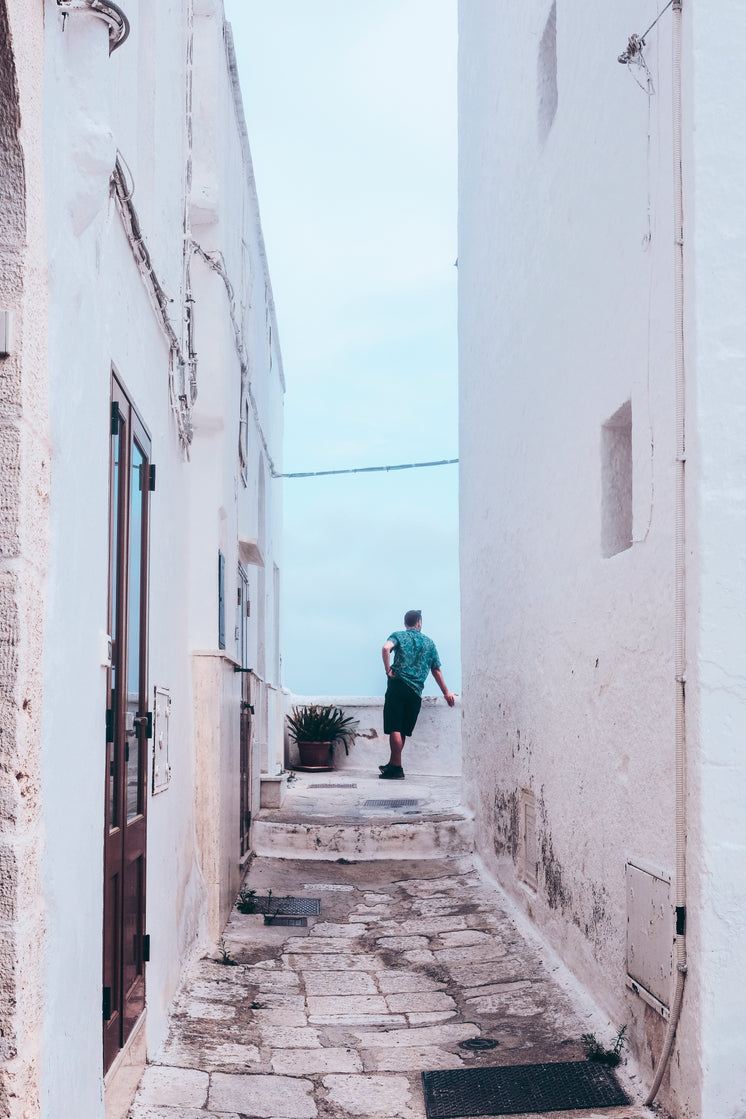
(406, 961)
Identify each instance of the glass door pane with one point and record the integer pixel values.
(114, 574)
(134, 634)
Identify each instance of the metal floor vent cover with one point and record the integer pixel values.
(390, 803)
(332, 786)
(518, 1089)
(478, 1044)
(289, 907)
(292, 922)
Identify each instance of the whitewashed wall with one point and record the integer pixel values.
(716, 698)
(566, 313)
(566, 316)
(434, 748)
(88, 104)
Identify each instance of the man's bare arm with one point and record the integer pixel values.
(386, 654)
(450, 697)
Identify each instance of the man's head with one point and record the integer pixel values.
(413, 619)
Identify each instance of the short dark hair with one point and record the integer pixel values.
(412, 617)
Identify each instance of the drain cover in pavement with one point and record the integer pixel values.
(390, 803)
(293, 922)
(332, 786)
(479, 1043)
(295, 907)
(517, 1089)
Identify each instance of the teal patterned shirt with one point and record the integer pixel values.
(414, 656)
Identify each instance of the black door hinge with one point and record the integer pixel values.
(681, 920)
(114, 417)
(109, 724)
(146, 721)
(146, 948)
(151, 476)
(106, 1004)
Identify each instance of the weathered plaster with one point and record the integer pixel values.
(24, 464)
(104, 313)
(565, 314)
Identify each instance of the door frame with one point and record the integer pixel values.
(247, 710)
(125, 948)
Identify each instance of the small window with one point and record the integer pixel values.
(547, 75)
(616, 482)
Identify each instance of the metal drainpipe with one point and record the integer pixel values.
(680, 561)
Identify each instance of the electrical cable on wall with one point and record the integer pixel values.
(216, 261)
(368, 469)
(123, 190)
(636, 43)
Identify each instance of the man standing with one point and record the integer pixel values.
(414, 656)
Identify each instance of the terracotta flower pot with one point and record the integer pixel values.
(315, 755)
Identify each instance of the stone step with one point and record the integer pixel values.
(423, 838)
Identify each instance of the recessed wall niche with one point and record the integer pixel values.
(616, 482)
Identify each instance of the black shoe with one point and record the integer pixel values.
(392, 773)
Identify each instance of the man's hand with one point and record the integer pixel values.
(449, 697)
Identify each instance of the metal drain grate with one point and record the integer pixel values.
(332, 786)
(390, 803)
(294, 907)
(292, 922)
(517, 1089)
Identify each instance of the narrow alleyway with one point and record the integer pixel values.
(405, 962)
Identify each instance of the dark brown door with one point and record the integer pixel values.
(127, 727)
(242, 635)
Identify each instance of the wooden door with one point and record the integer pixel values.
(242, 636)
(128, 727)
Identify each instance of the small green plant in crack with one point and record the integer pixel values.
(595, 1051)
(246, 901)
(269, 916)
(256, 1005)
(225, 955)
(270, 913)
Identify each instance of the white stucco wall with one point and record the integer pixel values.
(433, 749)
(566, 312)
(565, 315)
(101, 313)
(717, 463)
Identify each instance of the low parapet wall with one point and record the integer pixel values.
(434, 748)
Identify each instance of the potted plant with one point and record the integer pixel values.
(315, 727)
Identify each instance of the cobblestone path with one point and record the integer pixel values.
(405, 962)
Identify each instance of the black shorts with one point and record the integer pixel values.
(400, 707)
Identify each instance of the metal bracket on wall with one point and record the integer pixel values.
(111, 13)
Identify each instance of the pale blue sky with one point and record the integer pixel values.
(351, 113)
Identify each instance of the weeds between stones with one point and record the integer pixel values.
(225, 955)
(595, 1051)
